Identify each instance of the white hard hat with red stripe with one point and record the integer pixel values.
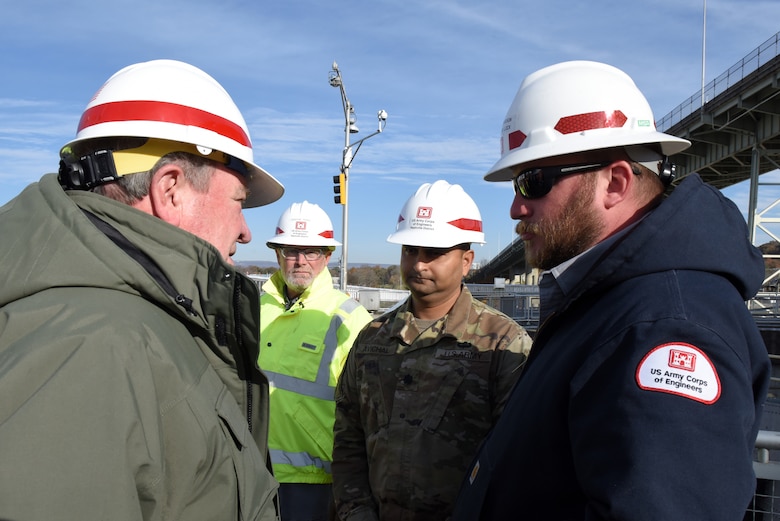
(438, 215)
(574, 107)
(180, 108)
(303, 224)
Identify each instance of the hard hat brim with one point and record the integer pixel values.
(434, 240)
(503, 169)
(263, 187)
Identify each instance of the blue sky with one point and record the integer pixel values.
(445, 71)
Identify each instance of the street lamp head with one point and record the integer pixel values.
(334, 78)
(353, 129)
(382, 117)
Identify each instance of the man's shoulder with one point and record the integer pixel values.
(103, 315)
(378, 326)
(484, 314)
(336, 298)
(95, 324)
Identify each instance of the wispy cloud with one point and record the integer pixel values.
(445, 70)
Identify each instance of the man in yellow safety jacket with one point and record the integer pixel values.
(307, 328)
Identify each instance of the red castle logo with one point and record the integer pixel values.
(424, 212)
(682, 360)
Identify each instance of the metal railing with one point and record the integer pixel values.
(765, 505)
(736, 73)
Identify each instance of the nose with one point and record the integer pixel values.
(244, 235)
(423, 259)
(520, 208)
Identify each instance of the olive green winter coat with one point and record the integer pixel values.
(126, 350)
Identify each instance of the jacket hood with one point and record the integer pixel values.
(51, 238)
(694, 228)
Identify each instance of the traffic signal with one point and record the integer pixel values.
(340, 189)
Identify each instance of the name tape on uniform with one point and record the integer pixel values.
(681, 369)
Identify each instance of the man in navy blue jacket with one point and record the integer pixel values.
(643, 391)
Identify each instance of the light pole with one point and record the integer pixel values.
(350, 127)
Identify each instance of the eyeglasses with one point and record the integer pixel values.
(413, 251)
(310, 254)
(534, 183)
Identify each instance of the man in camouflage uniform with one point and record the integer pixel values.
(424, 383)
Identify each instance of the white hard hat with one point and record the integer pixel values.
(572, 107)
(303, 224)
(181, 108)
(438, 215)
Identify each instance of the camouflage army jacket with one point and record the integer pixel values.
(412, 407)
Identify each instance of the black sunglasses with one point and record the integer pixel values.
(534, 183)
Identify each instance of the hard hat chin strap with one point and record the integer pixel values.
(654, 161)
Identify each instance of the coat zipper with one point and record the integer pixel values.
(240, 341)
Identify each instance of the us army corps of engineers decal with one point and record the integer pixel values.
(681, 369)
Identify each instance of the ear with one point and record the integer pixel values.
(468, 260)
(619, 181)
(168, 193)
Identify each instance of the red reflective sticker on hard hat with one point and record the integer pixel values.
(516, 139)
(137, 110)
(463, 223)
(590, 121)
(681, 369)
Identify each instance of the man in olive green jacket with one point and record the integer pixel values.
(128, 340)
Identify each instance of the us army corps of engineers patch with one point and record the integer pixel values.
(681, 369)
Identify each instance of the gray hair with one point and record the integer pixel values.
(131, 188)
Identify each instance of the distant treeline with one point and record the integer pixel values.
(390, 276)
(771, 248)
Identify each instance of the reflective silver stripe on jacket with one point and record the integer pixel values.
(320, 387)
(298, 459)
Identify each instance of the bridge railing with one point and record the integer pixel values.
(736, 73)
(765, 504)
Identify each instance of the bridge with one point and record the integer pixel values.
(734, 128)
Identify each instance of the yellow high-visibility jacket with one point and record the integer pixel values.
(302, 352)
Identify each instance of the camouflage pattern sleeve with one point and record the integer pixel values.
(510, 342)
(509, 363)
(351, 489)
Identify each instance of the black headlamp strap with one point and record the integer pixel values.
(87, 172)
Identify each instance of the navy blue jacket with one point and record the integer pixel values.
(643, 392)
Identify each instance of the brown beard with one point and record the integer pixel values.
(567, 235)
